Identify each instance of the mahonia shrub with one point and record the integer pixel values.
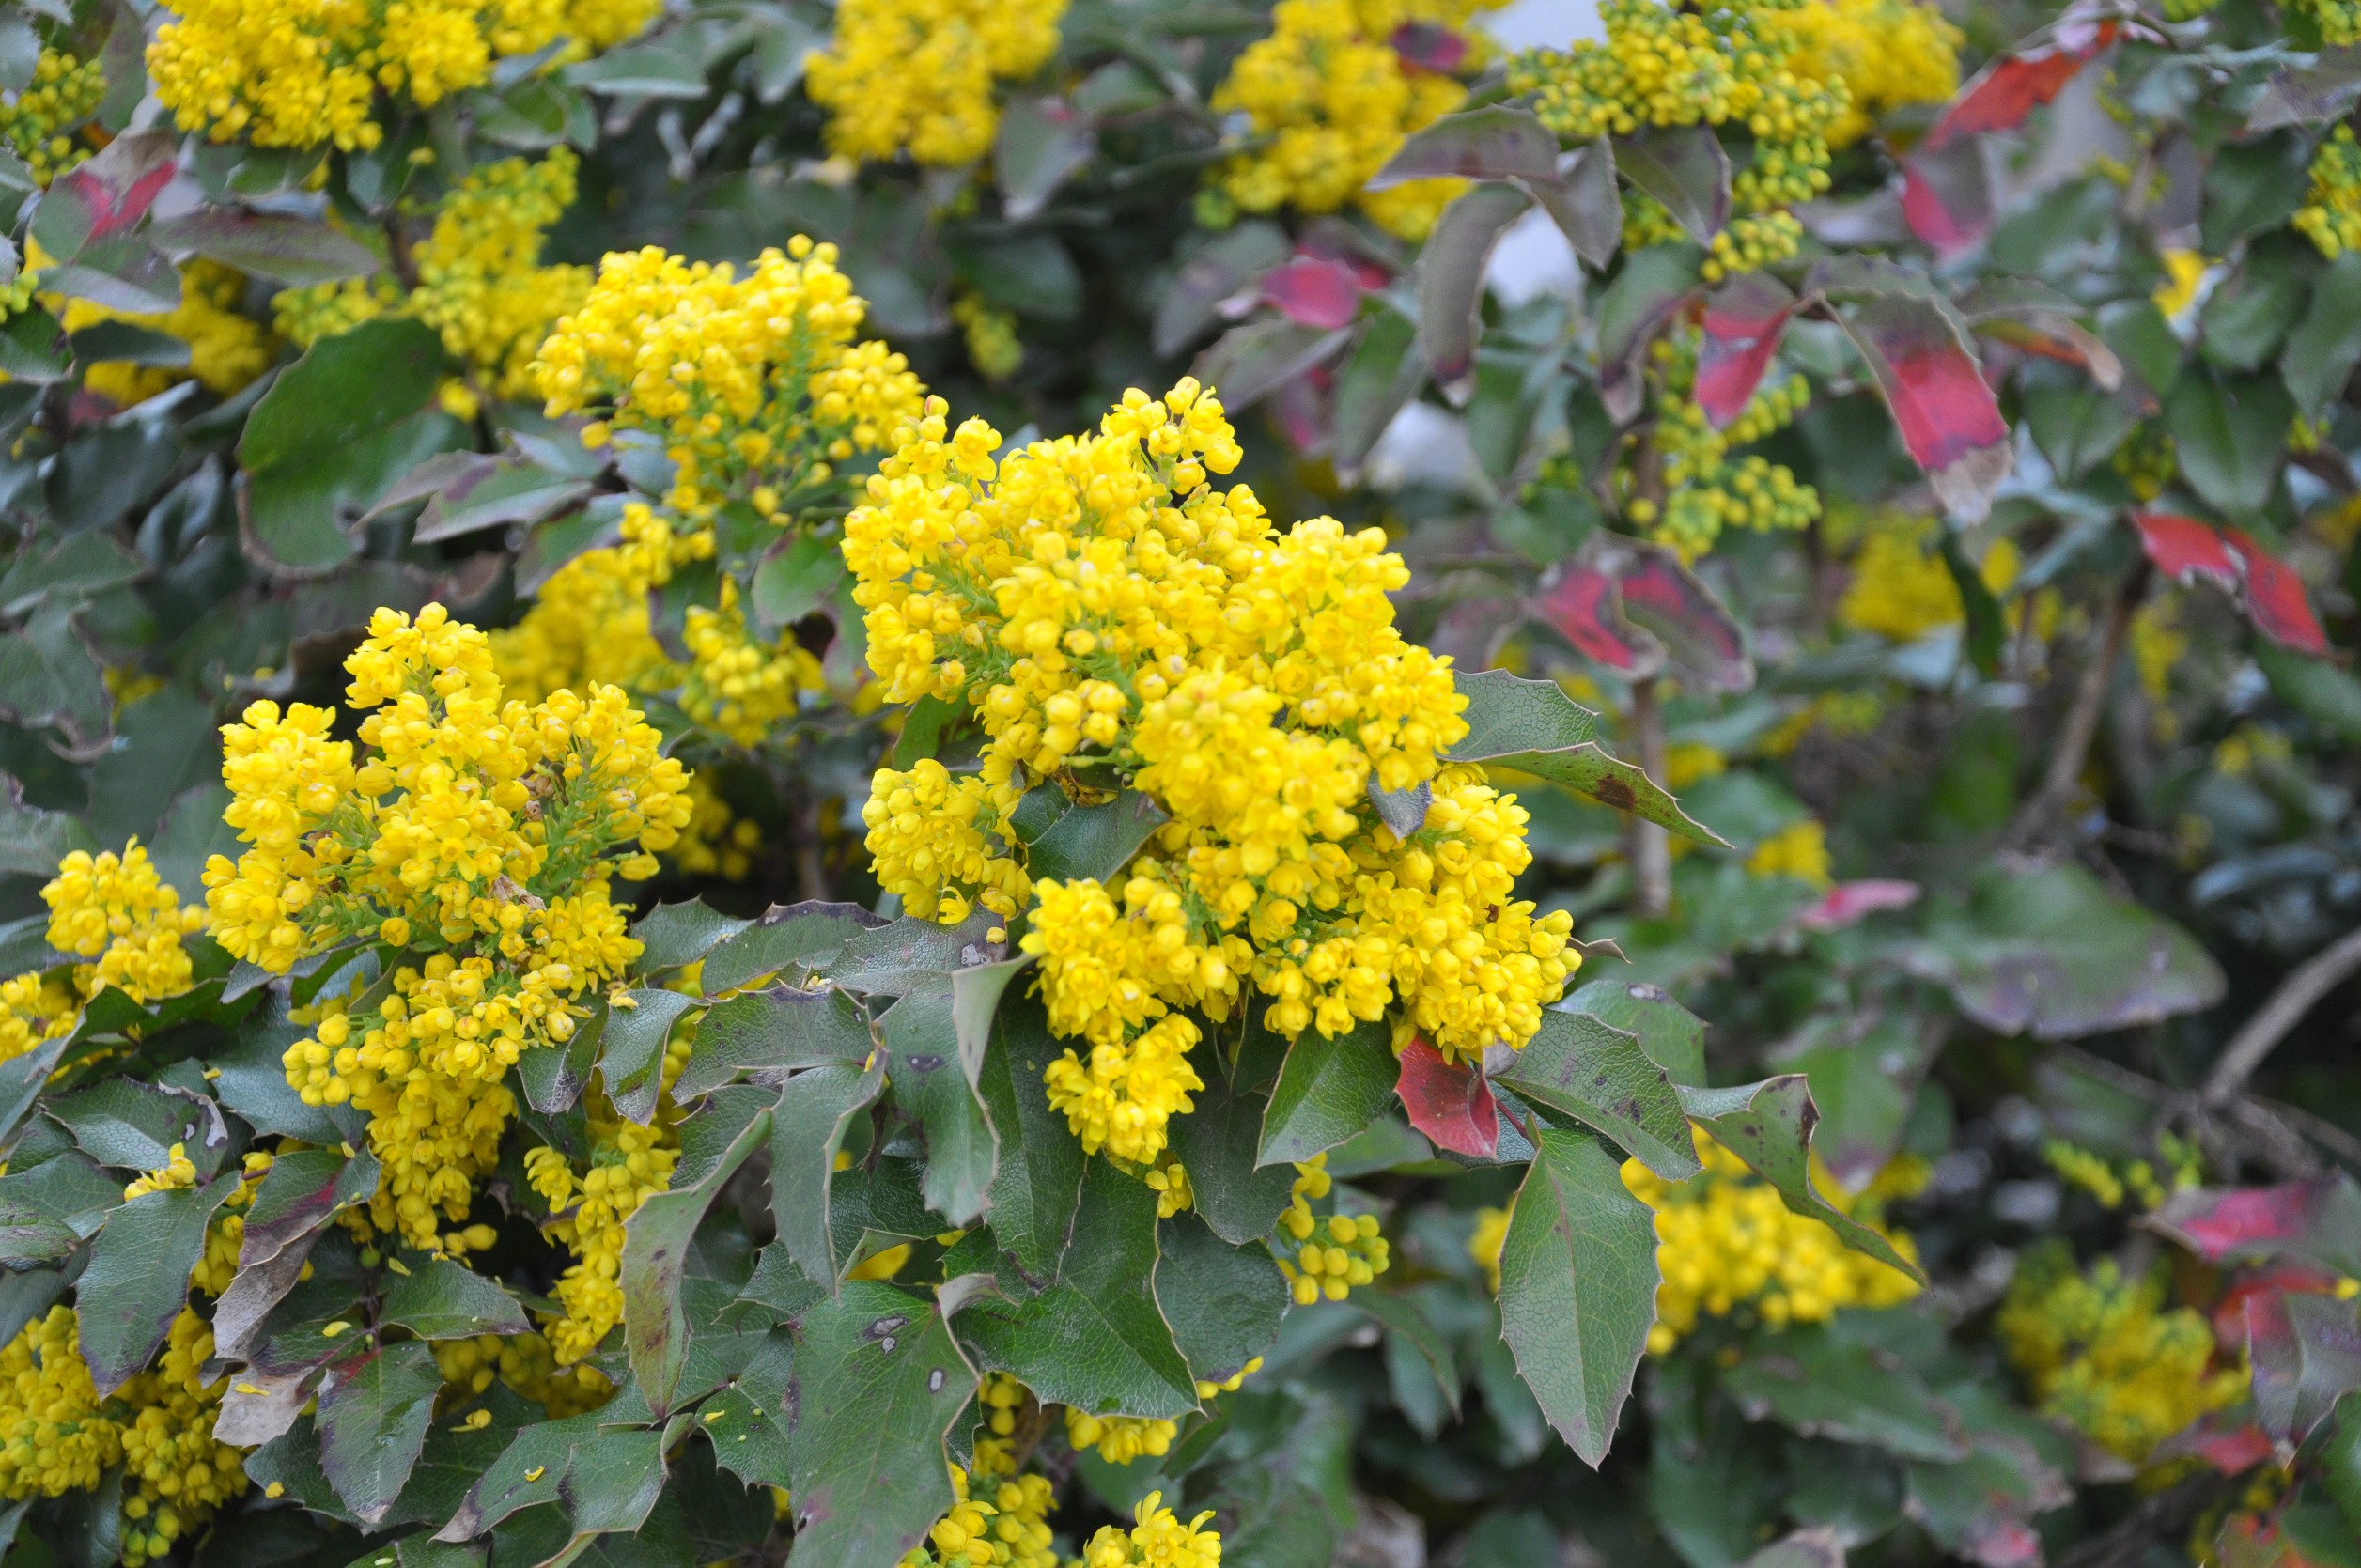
(1651, 860)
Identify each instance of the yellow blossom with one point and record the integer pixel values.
(919, 74)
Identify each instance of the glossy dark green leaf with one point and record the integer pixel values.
(138, 1277)
(1224, 1302)
(1220, 1144)
(33, 841)
(297, 251)
(297, 1198)
(2326, 344)
(778, 1030)
(1039, 1178)
(1405, 1320)
(807, 1127)
(1815, 1383)
(656, 1247)
(438, 1300)
(1450, 280)
(1090, 842)
(2252, 186)
(374, 1411)
(2230, 433)
(673, 935)
(1686, 170)
(1377, 382)
(788, 940)
(1328, 1092)
(1533, 727)
(1578, 1288)
(48, 678)
(1093, 1340)
(1768, 1124)
(1673, 1037)
(1599, 1075)
(632, 1048)
(920, 1043)
(878, 1383)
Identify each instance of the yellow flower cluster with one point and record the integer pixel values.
(1888, 54)
(114, 910)
(753, 383)
(2338, 20)
(1800, 850)
(1107, 613)
(485, 829)
(56, 1437)
(717, 841)
(1330, 1258)
(990, 333)
(1748, 244)
(481, 283)
(588, 628)
(524, 1363)
(1120, 1439)
(298, 74)
(629, 1165)
(1705, 489)
(1735, 66)
(1011, 1531)
(1726, 1239)
(2102, 1352)
(917, 74)
(1157, 1539)
(736, 685)
(1330, 99)
(65, 92)
(176, 1171)
(2331, 214)
(228, 348)
(1487, 1241)
(1900, 586)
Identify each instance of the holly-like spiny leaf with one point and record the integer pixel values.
(1768, 1124)
(1600, 1076)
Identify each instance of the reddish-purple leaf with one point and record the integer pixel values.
(1948, 418)
(1662, 597)
(2318, 1221)
(1743, 322)
(109, 195)
(2274, 596)
(1451, 281)
(1849, 902)
(1585, 608)
(2184, 549)
(2055, 337)
(2231, 1451)
(2005, 93)
(1429, 46)
(1947, 196)
(1315, 292)
(1450, 1102)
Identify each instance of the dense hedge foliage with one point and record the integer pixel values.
(1028, 783)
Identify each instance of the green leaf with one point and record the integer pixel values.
(298, 252)
(1986, 632)
(2248, 314)
(1328, 1092)
(1814, 1382)
(2053, 953)
(2078, 428)
(1220, 1143)
(806, 1128)
(138, 1278)
(921, 1048)
(1600, 1076)
(438, 1300)
(1768, 1124)
(2230, 433)
(746, 1441)
(1224, 1302)
(129, 1124)
(975, 998)
(2314, 688)
(33, 841)
(1534, 727)
(675, 935)
(777, 1030)
(1653, 283)
(1377, 380)
(797, 576)
(2327, 345)
(554, 1076)
(335, 428)
(1673, 1037)
(80, 565)
(788, 940)
(1093, 1340)
(1450, 280)
(909, 954)
(540, 1452)
(374, 1411)
(33, 347)
(1686, 170)
(49, 679)
(1579, 1288)
(643, 70)
(1041, 141)
(924, 726)
(1085, 843)
(2253, 186)
(296, 1201)
(1406, 1322)
(1039, 1177)
(657, 1238)
(631, 1049)
(878, 1383)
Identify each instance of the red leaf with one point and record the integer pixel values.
(2275, 598)
(113, 190)
(1947, 196)
(1848, 902)
(2184, 549)
(1948, 418)
(2248, 1223)
(1661, 597)
(2234, 1451)
(1743, 322)
(2230, 1313)
(1315, 292)
(2011, 88)
(1429, 47)
(1450, 1102)
(1586, 610)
